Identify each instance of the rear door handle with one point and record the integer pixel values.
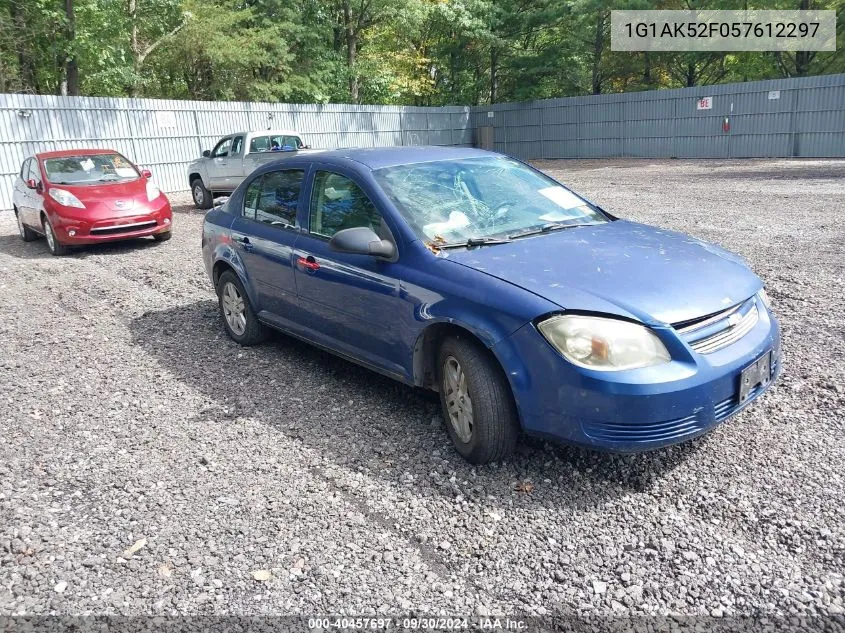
(308, 263)
(242, 240)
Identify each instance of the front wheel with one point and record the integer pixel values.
(27, 234)
(238, 317)
(477, 402)
(162, 237)
(202, 196)
(56, 248)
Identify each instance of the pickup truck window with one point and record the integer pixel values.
(275, 143)
(273, 197)
(222, 148)
(338, 203)
(237, 144)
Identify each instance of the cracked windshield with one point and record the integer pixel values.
(453, 201)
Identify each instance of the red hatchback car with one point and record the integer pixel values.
(78, 197)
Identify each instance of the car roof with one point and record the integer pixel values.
(378, 157)
(74, 152)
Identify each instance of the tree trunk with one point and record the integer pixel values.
(134, 46)
(598, 48)
(71, 74)
(494, 75)
(351, 51)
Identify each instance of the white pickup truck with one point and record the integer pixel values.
(233, 158)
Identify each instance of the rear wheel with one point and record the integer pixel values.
(56, 248)
(477, 402)
(202, 196)
(238, 316)
(27, 234)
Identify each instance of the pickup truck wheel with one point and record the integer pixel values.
(238, 316)
(477, 402)
(202, 196)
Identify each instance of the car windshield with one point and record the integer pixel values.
(89, 169)
(453, 201)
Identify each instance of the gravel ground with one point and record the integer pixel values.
(148, 465)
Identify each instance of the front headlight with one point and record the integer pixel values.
(603, 344)
(152, 191)
(765, 298)
(65, 198)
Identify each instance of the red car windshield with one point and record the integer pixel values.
(90, 169)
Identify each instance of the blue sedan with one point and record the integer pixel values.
(528, 308)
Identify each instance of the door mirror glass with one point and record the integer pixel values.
(206, 153)
(362, 240)
(146, 173)
(31, 183)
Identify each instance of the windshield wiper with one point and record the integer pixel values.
(546, 228)
(475, 241)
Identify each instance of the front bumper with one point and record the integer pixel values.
(633, 410)
(151, 219)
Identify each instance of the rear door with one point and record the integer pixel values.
(218, 164)
(264, 232)
(349, 302)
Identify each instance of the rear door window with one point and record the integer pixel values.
(259, 144)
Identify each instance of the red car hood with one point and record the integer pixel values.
(110, 200)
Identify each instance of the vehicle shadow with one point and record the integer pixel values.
(13, 245)
(368, 422)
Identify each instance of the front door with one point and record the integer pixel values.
(264, 234)
(349, 302)
(218, 164)
(232, 171)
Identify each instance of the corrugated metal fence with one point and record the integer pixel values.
(778, 118)
(164, 136)
(802, 117)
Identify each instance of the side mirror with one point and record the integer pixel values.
(146, 173)
(305, 147)
(206, 153)
(362, 241)
(31, 183)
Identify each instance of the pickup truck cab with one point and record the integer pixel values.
(233, 158)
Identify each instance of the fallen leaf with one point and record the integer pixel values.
(261, 574)
(135, 547)
(525, 486)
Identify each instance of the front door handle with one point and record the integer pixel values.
(308, 263)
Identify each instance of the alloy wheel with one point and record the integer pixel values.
(234, 309)
(458, 402)
(198, 195)
(51, 239)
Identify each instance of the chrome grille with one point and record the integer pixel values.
(122, 228)
(728, 336)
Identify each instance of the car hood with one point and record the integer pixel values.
(116, 196)
(624, 268)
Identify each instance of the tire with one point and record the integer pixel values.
(162, 237)
(56, 248)
(202, 196)
(26, 233)
(230, 295)
(494, 429)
